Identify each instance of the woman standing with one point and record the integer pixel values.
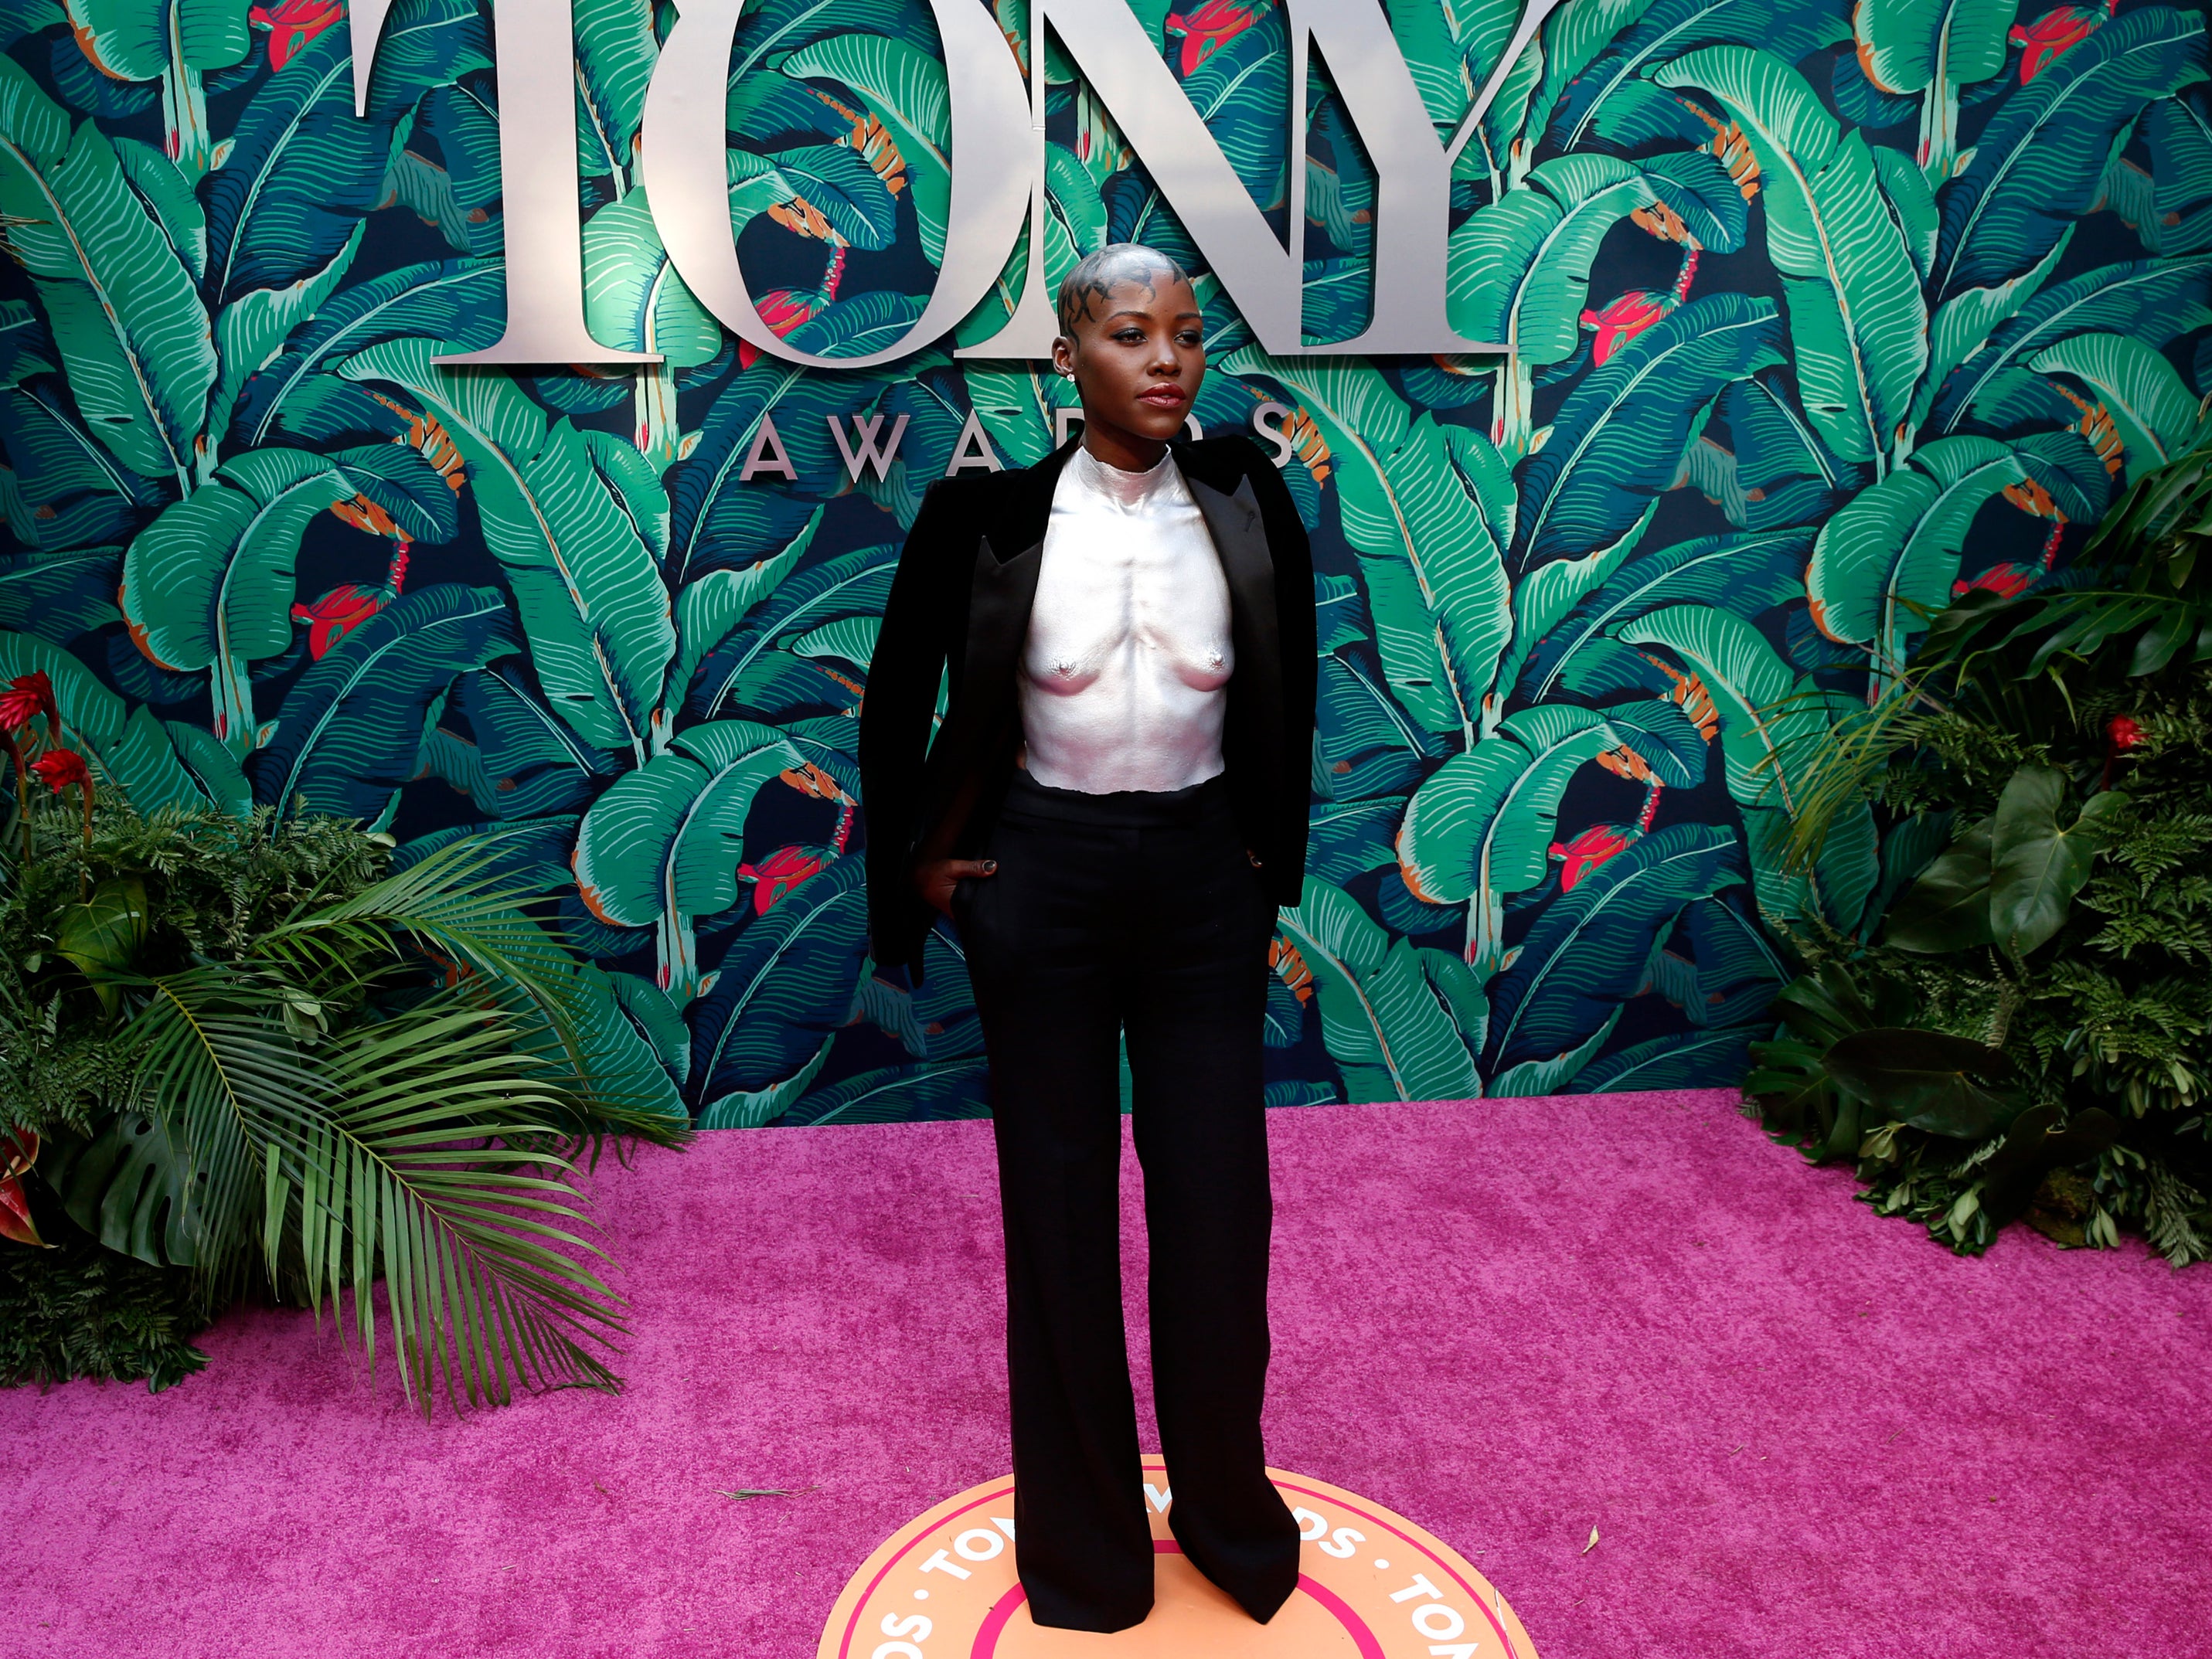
(1111, 811)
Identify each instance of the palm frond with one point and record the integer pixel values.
(428, 1170)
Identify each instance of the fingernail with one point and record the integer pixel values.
(990, 866)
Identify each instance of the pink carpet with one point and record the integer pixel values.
(1798, 1430)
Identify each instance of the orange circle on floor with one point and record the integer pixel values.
(1371, 1585)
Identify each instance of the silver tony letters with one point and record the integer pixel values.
(998, 175)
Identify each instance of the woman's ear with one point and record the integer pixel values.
(1063, 357)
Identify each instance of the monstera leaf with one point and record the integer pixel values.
(128, 1186)
(785, 989)
(579, 522)
(1384, 1022)
(663, 843)
(1428, 509)
(350, 732)
(1884, 566)
(1590, 949)
(134, 339)
(1856, 317)
(1770, 734)
(1949, 1085)
(1480, 827)
(208, 585)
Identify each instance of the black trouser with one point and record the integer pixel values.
(1132, 913)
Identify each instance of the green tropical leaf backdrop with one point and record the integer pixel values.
(1818, 314)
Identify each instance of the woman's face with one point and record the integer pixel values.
(1138, 355)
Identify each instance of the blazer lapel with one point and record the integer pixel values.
(1240, 541)
(1001, 589)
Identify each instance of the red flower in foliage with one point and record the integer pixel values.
(778, 873)
(18, 1150)
(1213, 26)
(27, 696)
(782, 310)
(1587, 851)
(1624, 319)
(2052, 36)
(2122, 734)
(57, 768)
(292, 23)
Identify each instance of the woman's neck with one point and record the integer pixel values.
(1118, 446)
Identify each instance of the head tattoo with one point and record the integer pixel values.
(1097, 275)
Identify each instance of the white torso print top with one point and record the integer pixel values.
(1124, 678)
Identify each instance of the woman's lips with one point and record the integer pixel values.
(1167, 396)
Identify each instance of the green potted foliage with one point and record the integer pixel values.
(261, 1056)
(2030, 1031)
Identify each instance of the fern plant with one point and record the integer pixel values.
(253, 1051)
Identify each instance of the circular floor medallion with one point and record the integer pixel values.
(1371, 1585)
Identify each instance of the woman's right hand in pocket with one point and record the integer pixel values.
(936, 879)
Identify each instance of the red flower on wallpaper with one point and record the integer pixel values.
(292, 23)
(339, 612)
(782, 310)
(2052, 36)
(2122, 732)
(336, 615)
(1578, 857)
(2009, 580)
(57, 768)
(778, 873)
(1622, 320)
(1207, 29)
(28, 697)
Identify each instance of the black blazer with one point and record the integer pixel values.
(960, 607)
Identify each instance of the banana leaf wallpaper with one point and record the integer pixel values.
(1818, 313)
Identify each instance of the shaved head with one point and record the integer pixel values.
(1083, 291)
